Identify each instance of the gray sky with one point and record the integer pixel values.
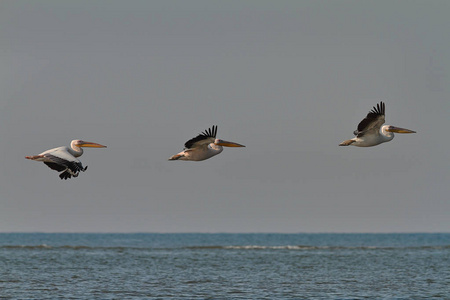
(288, 79)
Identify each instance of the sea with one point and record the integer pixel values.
(224, 266)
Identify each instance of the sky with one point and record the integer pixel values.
(288, 79)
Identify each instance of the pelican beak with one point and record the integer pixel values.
(228, 144)
(92, 145)
(399, 130)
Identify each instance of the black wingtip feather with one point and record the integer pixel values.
(379, 109)
(65, 175)
(208, 133)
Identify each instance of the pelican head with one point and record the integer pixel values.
(226, 143)
(391, 128)
(81, 143)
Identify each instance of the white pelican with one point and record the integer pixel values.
(368, 133)
(65, 158)
(203, 146)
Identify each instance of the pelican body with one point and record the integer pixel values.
(370, 132)
(203, 146)
(64, 159)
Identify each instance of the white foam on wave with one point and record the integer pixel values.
(287, 247)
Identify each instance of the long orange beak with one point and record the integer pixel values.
(400, 130)
(92, 145)
(228, 144)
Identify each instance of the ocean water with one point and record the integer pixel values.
(224, 266)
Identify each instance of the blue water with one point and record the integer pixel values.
(224, 266)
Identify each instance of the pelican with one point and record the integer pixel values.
(203, 146)
(65, 158)
(368, 133)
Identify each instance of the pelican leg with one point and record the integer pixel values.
(347, 143)
(176, 156)
(34, 157)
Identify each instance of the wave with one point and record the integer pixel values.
(224, 247)
(45, 246)
(306, 247)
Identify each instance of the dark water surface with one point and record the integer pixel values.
(224, 266)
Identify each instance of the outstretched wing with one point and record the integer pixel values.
(203, 139)
(373, 121)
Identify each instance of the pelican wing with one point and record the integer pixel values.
(372, 122)
(203, 139)
(62, 160)
(55, 166)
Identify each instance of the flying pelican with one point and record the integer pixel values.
(65, 158)
(368, 133)
(203, 146)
